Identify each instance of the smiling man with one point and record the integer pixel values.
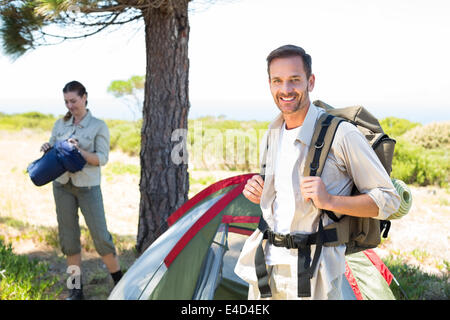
(291, 202)
(290, 83)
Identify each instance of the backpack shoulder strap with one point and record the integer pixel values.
(322, 139)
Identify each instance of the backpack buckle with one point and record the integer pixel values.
(297, 240)
(319, 147)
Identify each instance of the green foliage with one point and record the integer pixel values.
(24, 279)
(434, 135)
(132, 86)
(131, 93)
(38, 115)
(414, 164)
(30, 120)
(18, 21)
(125, 135)
(416, 284)
(395, 127)
(421, 154)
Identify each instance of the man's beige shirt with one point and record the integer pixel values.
(350, 161)
(93, 136)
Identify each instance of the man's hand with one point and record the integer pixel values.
(362, 205)
(313, 188)
(253, 189)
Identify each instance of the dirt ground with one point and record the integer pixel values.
(422, 236)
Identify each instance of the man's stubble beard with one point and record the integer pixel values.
(302, 103)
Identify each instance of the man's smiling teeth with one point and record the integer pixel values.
(287, 99)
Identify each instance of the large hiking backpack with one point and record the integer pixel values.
(356, 233)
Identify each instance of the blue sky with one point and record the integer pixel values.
(390, 56)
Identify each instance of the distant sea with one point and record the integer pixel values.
(110, 108)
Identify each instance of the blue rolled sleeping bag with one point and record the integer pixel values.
(46, 169)
(62, 157)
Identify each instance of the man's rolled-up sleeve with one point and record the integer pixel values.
(368, 174)
(387, 200)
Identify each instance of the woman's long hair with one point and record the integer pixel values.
(79, 89)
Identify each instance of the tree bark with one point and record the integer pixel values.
(164, 185)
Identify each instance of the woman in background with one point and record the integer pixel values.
(82, 189)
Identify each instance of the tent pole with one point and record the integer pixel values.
(401, 289)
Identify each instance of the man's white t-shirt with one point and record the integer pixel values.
(284, 203)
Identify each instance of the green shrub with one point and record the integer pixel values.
(30, 120)
(434, 135)
(24, 279)
(37, 115)
(129, 143)
(395, 127)
(421, 154)
(125, 135)
(413, 164)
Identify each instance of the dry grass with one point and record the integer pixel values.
(424, 229)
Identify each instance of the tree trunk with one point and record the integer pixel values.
(164, 184)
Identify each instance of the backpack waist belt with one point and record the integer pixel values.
(301, 242)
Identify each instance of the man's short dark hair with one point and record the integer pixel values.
(290, 50)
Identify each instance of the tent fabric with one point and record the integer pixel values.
(352, 282)
(370, 282)
(145, 274)
(231, 290)
(202, 222)
(195, 257)
(378, 263)
(180, 280)
(211, 269)
(191, 251)
(205, 193)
